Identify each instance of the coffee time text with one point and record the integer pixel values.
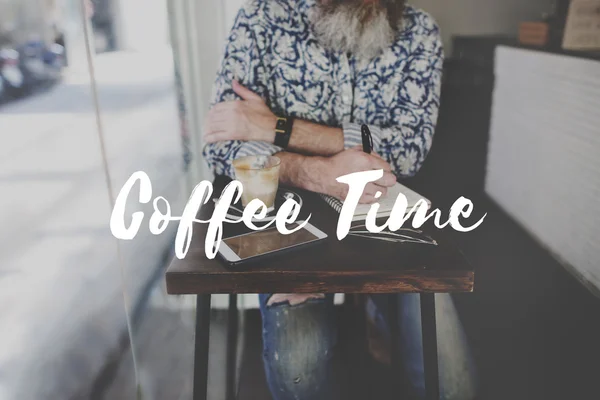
(256, 210)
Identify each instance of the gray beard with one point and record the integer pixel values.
(363, 30)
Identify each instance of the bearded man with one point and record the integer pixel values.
(324, 68)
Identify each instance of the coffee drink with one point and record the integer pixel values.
(260, 177)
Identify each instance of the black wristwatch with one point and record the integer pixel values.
(283, 131)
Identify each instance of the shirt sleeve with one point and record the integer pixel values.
(406, 141)
(241, 61)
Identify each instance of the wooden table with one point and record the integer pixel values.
(353, 265)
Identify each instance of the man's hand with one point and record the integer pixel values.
(319, 174)
(247, 119)
(355, 160)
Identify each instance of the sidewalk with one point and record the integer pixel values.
(61, 309)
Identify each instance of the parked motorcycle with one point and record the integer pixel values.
(32, 64)
(54, 59)
(11, 74)
(41, 65)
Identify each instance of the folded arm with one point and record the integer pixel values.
(241, 61)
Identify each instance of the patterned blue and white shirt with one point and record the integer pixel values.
(272, 51)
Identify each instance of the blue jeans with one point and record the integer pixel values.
(300, 344)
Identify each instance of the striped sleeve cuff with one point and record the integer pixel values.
(221, 158)
(353, 137)
(257, 149)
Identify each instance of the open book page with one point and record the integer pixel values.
(387, 202)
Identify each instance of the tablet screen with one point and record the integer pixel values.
(270, 240)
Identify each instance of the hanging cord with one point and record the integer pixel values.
(107, 177)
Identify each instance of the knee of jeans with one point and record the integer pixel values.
(300, 367)
(293, 299)
(299, 347)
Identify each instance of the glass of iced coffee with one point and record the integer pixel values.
(260, 177)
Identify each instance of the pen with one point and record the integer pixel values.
(367, 139)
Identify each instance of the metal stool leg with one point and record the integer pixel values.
(201, 346)
(430, 355)
(232, 336)
(394, 346)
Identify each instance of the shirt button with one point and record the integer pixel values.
(346, 99)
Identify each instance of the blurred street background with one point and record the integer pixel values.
(65, 281)
(85, 316)
(54, 242)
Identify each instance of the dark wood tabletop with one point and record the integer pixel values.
(353, 265)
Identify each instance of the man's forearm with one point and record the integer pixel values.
(320, 174)
(315, 139)
(301, 171)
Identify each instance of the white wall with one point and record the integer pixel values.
(473, 17)
(141, 24)
(231, 8)
(543, 166)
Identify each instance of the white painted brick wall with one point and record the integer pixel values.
(544, 152)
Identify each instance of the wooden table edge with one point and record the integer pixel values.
(189, 283)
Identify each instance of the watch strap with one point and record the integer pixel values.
(283, 131)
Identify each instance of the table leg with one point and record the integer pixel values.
(430, 355)
(231, 363)
(355, 351)
(394, 338)
(201, 346)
